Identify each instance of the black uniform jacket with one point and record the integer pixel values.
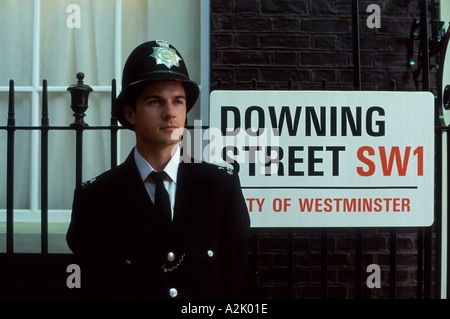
(123, 246)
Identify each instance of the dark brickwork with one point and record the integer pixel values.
(309, 41)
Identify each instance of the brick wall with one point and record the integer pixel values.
(310, 41)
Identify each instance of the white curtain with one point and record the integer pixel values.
(58, 53)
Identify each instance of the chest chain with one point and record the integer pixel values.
(170, 269)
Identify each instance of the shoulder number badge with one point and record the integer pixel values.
(228, 170)
(165, 55)
(87, 183)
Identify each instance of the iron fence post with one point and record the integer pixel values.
(44, 169)
(79, 104)
(10, 172)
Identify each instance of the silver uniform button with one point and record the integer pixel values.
(210, 253)
(173, 292)
(170, 256)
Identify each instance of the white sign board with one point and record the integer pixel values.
(328, 158)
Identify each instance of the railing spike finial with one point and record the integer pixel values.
(80, 94)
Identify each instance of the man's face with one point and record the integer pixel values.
(160, 114)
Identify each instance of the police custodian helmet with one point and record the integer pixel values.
(152, 61)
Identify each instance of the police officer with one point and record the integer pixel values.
(179, 235)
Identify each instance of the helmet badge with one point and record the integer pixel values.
(165, 55)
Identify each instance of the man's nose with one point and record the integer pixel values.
(169, 110)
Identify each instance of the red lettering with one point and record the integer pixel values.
(402, 166)
(327, 202)
(287, 203)
(388, 160)
(277, 205)
(405, 204)
(396, 204)
(260, 204)
(281, 204)
(419, 152)
(250, 203)
(387, 200)
(349, 205)
(318, 206)
(378, 206)
(305, 204)
(371, 165)
(338, 201)
(367, 205)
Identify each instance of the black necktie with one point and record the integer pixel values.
(162, 201)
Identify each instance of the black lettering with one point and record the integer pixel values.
(347, 117)
(277, 160)
(248, 120)
(252, 158)
(312, 116)
(333, 120)
(224, 120)
(293, 160)
(312, 160)
(335, 150)
(285, 115)
(379, 124)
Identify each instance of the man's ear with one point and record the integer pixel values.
(129, 114)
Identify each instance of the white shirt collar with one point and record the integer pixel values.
(145, 168)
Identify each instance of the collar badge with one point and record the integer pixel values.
(165, 55)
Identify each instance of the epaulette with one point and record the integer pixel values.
(227, 169)
(87, 183)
